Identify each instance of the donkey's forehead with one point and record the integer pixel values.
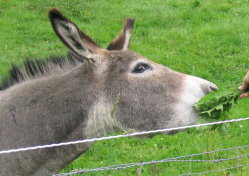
(122, 56)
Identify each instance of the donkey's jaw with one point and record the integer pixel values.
(194, 89)
(101, 118)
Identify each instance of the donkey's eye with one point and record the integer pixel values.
(141, 67)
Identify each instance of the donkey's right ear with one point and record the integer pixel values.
(122, 41)
(71, 36)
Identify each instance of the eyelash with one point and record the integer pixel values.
(141, 67)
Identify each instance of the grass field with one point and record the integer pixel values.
(209, 39)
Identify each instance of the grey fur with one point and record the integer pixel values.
(77, 103)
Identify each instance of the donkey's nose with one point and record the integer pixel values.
(208, 87)
(213, 88)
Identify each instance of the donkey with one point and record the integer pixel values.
(106, 90)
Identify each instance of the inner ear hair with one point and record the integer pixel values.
(68, 32)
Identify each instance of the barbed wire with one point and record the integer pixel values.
(118, 136)
(175, 159)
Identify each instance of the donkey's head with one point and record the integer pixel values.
(143, 95)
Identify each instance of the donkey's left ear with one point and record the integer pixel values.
(122, 41)
(78, 42)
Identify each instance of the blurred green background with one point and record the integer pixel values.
(208, 39)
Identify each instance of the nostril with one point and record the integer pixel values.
(213, 88)
(208, 87)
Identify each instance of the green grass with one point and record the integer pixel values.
(208, 39)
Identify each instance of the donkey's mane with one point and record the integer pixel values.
(35, 68)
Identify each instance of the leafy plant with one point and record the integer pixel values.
(215, 103)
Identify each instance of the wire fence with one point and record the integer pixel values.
(120, 136)
(167, 160)
(175, 159)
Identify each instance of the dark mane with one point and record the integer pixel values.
(34, 68)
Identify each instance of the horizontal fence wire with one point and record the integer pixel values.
(175, 159)
(217, 170)
(119, 136)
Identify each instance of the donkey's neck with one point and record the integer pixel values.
(50, 110)
(101, 118)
